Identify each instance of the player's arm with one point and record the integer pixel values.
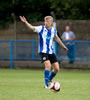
(23, 19)
(61, 43)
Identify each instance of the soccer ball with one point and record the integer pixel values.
(55, 86)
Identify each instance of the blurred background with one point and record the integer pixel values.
(19, 45)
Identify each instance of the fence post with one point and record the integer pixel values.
(11, 54)
(33, 49)
(74, 50)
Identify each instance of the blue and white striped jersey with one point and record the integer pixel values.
(46, 39)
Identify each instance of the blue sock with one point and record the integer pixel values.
(46, 76)
(52, 75)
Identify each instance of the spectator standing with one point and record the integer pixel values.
(69, 36)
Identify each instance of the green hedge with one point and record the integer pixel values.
(35, 10)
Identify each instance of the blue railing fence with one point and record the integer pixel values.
(28, 50)
(80, 51)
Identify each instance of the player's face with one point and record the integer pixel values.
(48, 23)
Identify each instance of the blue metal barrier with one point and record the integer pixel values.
(28, 50)
(11, 54)
(81, 51)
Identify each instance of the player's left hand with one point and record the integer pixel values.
(65, 48)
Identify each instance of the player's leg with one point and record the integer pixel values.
(54, 71)
(46, 61)
(47, 71)
(55, 65)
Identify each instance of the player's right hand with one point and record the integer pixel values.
(23, 19)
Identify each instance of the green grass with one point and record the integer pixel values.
(28, 85)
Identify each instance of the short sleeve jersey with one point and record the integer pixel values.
(46, 37)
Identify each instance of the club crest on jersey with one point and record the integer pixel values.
(44, 58)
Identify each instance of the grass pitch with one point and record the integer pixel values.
(28, 85)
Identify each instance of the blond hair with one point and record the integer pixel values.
(48, 17)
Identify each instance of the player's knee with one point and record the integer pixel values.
(48, 68)
(57, 69)
(47, 65)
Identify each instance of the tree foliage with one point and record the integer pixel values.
(35, 10)
(71, 9)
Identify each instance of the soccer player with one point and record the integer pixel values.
(47, 34)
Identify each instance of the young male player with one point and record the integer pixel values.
(46, 36)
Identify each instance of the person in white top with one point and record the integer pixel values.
(69, 36)
(47, 34)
